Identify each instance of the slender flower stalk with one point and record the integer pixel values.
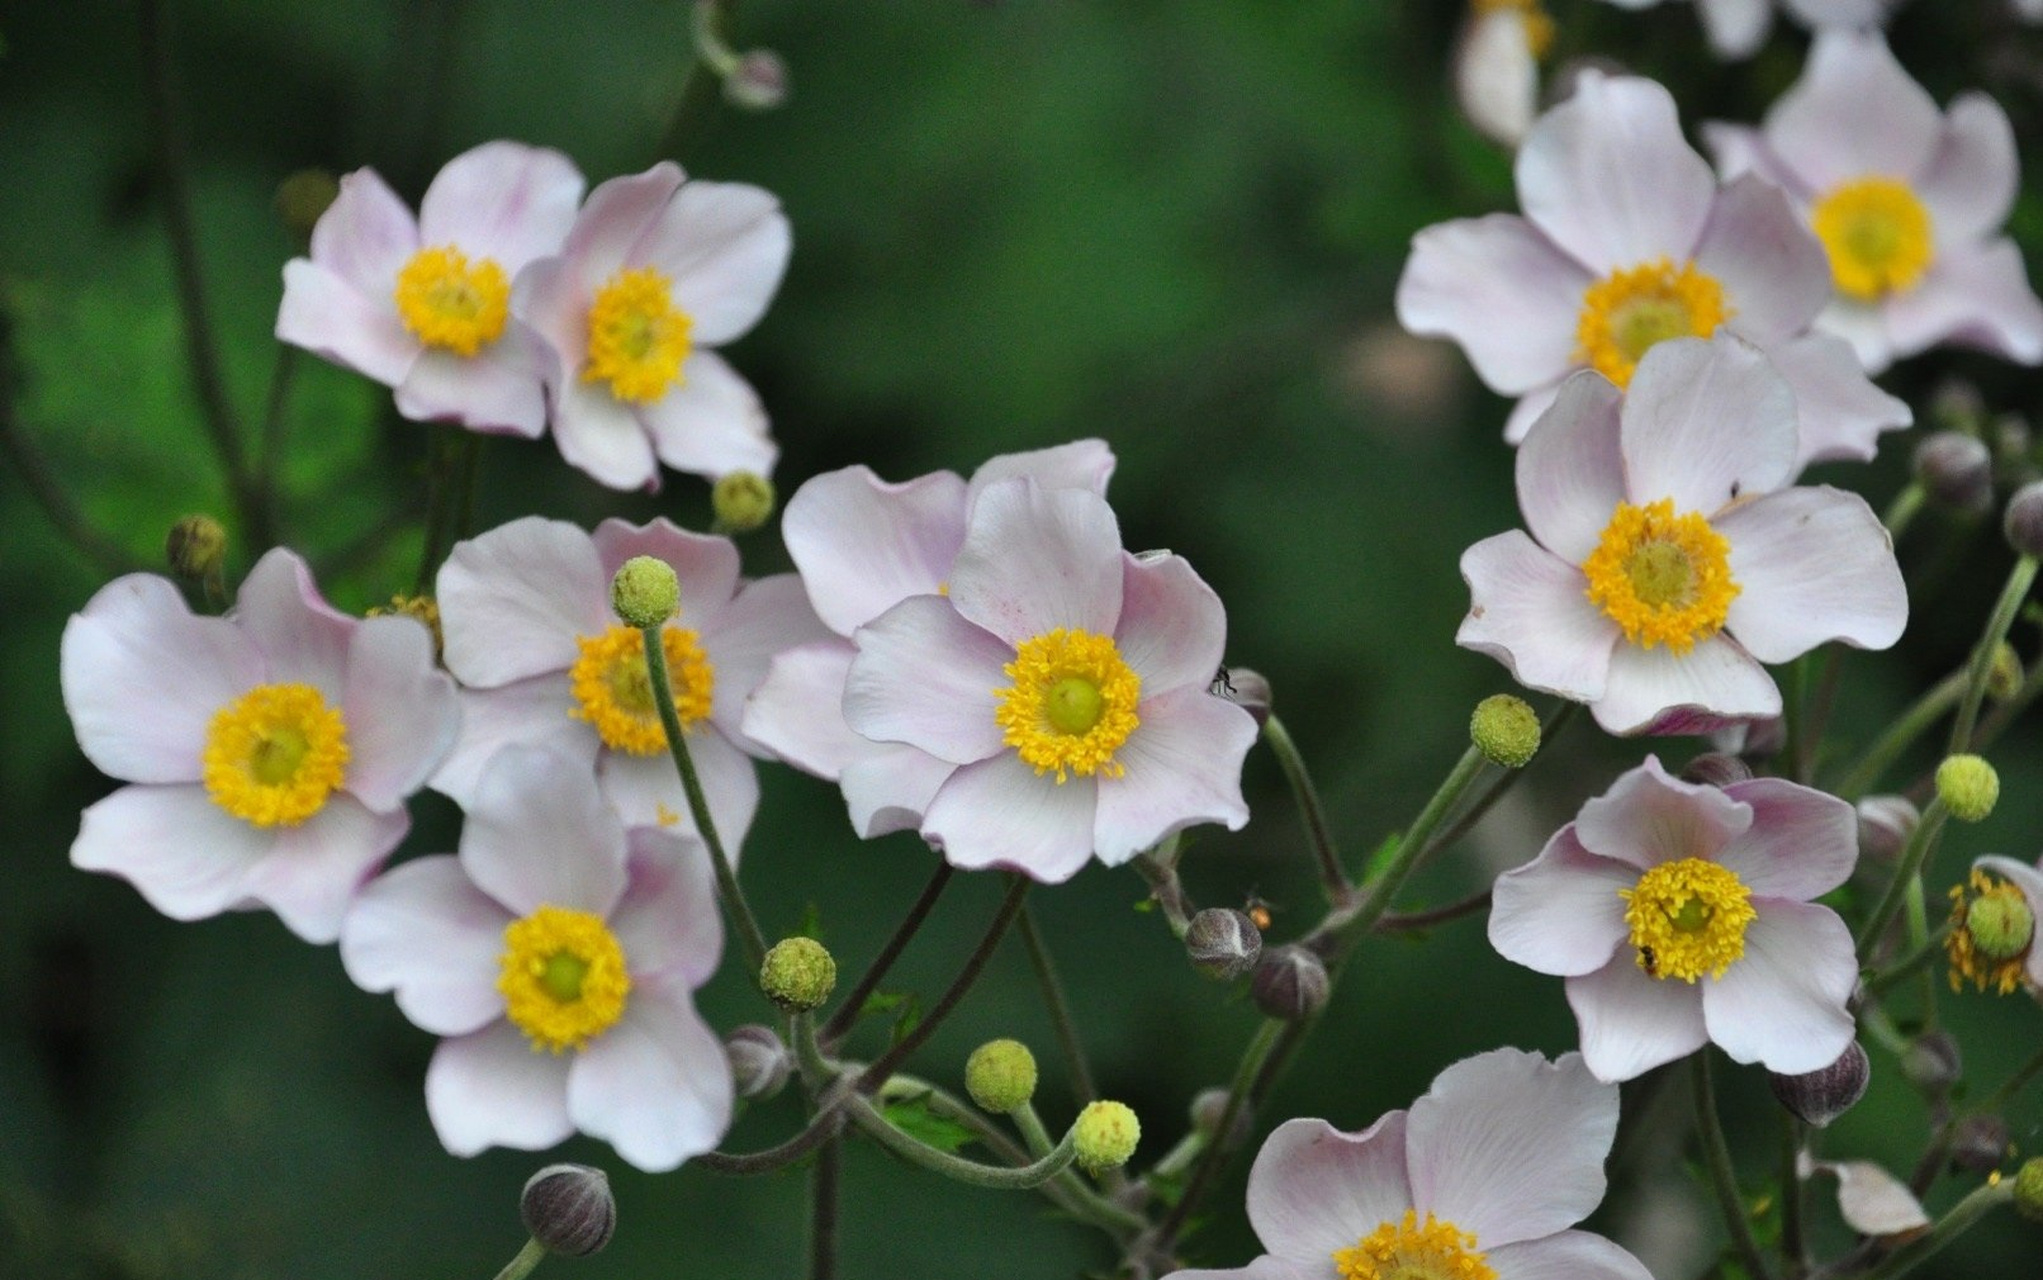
(1962, 1218)
(1319, 835)
(1723, 1179)
(1059, 1008)
(1207, 1169)
(848, 1012)
(521, 1266)
(876, 1075)
(822, 1126)
(1025, 1178)
(823, 1197)
(2020, 579)
(1920, 842)
(1898, 736)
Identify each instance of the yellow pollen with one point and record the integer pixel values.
(1539, 26)
(1688, 918)
(563, 977)
(1408, 1251)
(638, 338)
(1665, 579)
(451, 303)
(614, 692)
(1968, 962)
(666, 817)
(275, 754)
(1878, 234)
(1072, 703)
(1628, 311)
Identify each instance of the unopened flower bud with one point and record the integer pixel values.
(2012, 439)
(1820, 1096)
(760, 1061)
(2004, 677)
(2023, 521)
(2029, 1189)
(1968, 786)
(1716, 769)
(1957, 406)
(645, 592)
(1223, 943)
(1885, 824)
(196, 548)
(1210, 1108)
(1980, 1143)
(742, 501)
(1956, 470)
(1933, 1063)
(799, 974)
(1249, 690)
(1290, 983)
(302, 198)
(1001, 1076)
(1106, 1134)
(758, 82)
(1505, 729)
(569, 1209)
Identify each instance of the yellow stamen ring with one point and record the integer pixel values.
(1072, 703)
(1688, 918)
(1879, 236)
(1408, 1250)
(614, 692)
(638, 338)
(1625, 314)
(563, 977)
(1665, 579)
(451, 303)
(275, 754)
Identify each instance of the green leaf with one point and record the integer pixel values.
(913, 1116)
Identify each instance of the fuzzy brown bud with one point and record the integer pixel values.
(2023, 521)
(1223, 943)
(1290, 983)
(1956, 470)
(1820, 1096)
(1716, 769)
(1980, 1143)
(569, 1209)
(1933, 1063)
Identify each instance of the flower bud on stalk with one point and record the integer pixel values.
(2023, 520)
(1001, 1076)
(569, 1209)
(196, 548)
(1716, 769)
(1980, 1143)
(1106, 1135)
(2004, 677)
(1956, 470)
(742, 501)
(799, 974)
(645, 592)
(1968, 786)
(760, 1061)
(1290, 983)
(1505, 729)
(1933, 1063)
(1820, 1096)
(1223, 943)
(1210, 1107)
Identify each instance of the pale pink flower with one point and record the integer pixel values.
(1667, 558)
(1909, 203)
(424, 304)
(559, 955)
(862, 546)
(656, 274)
(1496, 66)
(272, 750)
(1736, 28)
(1681, 915)
(1063, 682)
(1486, 1174)
(1627, 241)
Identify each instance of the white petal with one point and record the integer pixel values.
(426, 932)
(303, 639)
(1496, 78)
(185, 854)
(888, 787)
(1529, 409)
(767, 618)
(656, 1086)
(601, 435)
(1873, 1201)
(1840, 410)
(797, 712)
(615, 219)
(1977, 297)
(646, 790)
(1783, 1002)
(1561, 913)
(1854, 112)
(668, 922)
(863, 545)
(1002, 813)
(1775, 273)
(927, 677)
(539, 834)
(1570, 473)
(514, 601)
(493, 1089)
(314, 870)
(1970, 184)
(366, 236)
(1081, 464)
(705, 566)
(1736, 28)
(1566, 1255)
(1864, 327)
(1631, 1023)
(532, 713)
(712, 423)
(1648, 817)
(402, 712)
(1183, 767)
(1529, 610)
(1314, 1189)
(1707, 422)
(500, 389)
(1502, 291)
(1659, 691)
(1037, 559)
(1740, 150)
(1173, 630)
(502, 200)
(1812, 564)
(326, 315)
(1801, 843)
(725, 246)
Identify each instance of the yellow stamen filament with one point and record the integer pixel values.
(1630, 310)
(563, 977)
(1970, 964)
(614, 692)
(1879, 236)
(1539, 26)
(1072, 703)
(1665, 579)
(638, 338)
(1409, 1251)
(1688, 918)
(451, 303)
(275, 754)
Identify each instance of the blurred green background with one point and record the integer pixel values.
(1174, 225)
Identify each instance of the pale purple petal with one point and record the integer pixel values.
(366, 236)
(304, 640)
(601, 435)
(1705, 422)
(1970, 184)
(646, 790)
(504, 201)
(668, 922)
(797, 712)
(1654, 690)
(1812, 564)
(314, 869)
(401, 710)
(1783, 1002)
(1736, 28)
(614, 220)
(1864, 327)
(1561, 913)
(1739, 150)
(1496, 77)
(424, 931)
(656, 1086)
(705, 565)
(326, 315)
(927, 677)
(1801, 842)
(1314, 1189)
(1529, 408)
(1566, 1255)
(533, 713)
(1570, 473)
(1775, 274)
(546, 298)
(1530, 610)
(768, 617)
(540, 835)
(185, 854)
(863, 544)
(711, 423)
(1502, 292)
(888, 787)
(1002, 813)
(724, 245)
(1648, 817)
(514, 601)
(1173, 629)
(1974, 297)
(1081, 464)
(1854, 112)
(499, 390)
(1037, 559)
(1631, 1023)
(1183, 767)
(1840, 410)
(493, 1089)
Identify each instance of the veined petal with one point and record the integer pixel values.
(313, 870)
(424, 931)
(1854, 112)
(1801, 842)
(1840, 410)
(1530, 610)
(513, 601)
(1183, 767)
(1173, 629)
(1976, 297)
(927, 677)
(1631, 1023)
(1566, 1255)
(603, 436)
(502, 200)
(1970, 183)
(331, 318)
(533, 713)
(725, 247)
(646, 790)
(1706, 422)
(1529, 408)
(1502, 291)
(1648, 817)
(402, 713)
(1783, 1002)
(1314, 1189)
(1037, 559)
(1002, 813)
(1775, 273)
(1081, 464)
(711, 423)
(888, 787)
(1812, 564)
(490, 1089)
(705, 566)
(1864, 327)
(656, 1086)
(185, 854)
(1561, 913)
(500, 390)
(366, 236)
(1739, 150)
(767, 618)
(539, 835)
(614, 221)
(668, 922)
(863, 545)
(303, 639)
(797, 712)
(1570, 473)
(1650, 690)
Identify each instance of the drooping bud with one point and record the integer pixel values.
(758, 82)
(1210, 1108)
(2004, 677)
(741, 501)
(799, 974)
(196, 548)
(1247, 689)
(1716, 769)
(2029, 1189)
(644, 592)
(1223, 943)
(1885, 824)
(2023, 520)
(1980, 1143)
(301, 200)
(760, 1061)
(1933, 1063)
(1820, 1096)
(1001, 1076)
(1106, 1134)
(1290, 983)
(1505, 729)
(569, 1209)
(1968, 786)
(1956, 470)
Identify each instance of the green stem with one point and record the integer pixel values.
(1962, 1217)
(1494, 790)
(1208, 1167)
(1026, 1178)
(1717, 1155)
(1913, 855)
(700, 88)
(1090, 1204)
(817, 1070)
(2015, 1083)
(1895, 739)
(1901, 512)
(1159, 869)
(1319, 835)
(1794, 1249)
(1059, 1008)
(2020, 579)
(822, 1126)
(823, 1214)
(270, 452)
(521, 1266)
(1405, 921)
(70, 522)
(1381, 891)
(1917, 961)
(853, 1006)
(876, 1075)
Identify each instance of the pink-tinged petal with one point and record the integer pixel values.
(797, 712)
(1970, 184)
(1854, 112)
(711, 423)
(1314, 1189)
(1841, 411)
(1183, 767)
(1561, 913)
(1659, 691)
(1648, 817)
(1002, 813)
(304, 640)
(493, 1089)
(424, 931)
(1736, 28)
(499, 390)
(615, 220)
(533, 713)
(1510, 1146)
(328, 316)
(514, 601)
(1974, 297)
(1529, 408)
(1864, 328)
(2029, 881)
(1609, 177)
(1265, 1267)
(184, 853)
(646, 790)
(546, 298)
(143, 678)
(705, 566)
(504, 201)
(366, 236)
(1081, 464)
(1496, 76)
(1705, 422)
(539, 834)
(402, 712)
(768, 617)
(1502, 292)
(863, 545)
(1566, 1255)
(1783, 1002)
(667, 921)
(1631, 1023)
(1801, 842)
(1038, 559)
(603, 436)
(1775, 273)
(1530, 610)
(888, 787)
(656, 1086)
(1812, 564)
(1740, 150)
(1173, 629)
(1570, 473)
(1818, 14)
(315, 869)
(724, 245)
(927, 677)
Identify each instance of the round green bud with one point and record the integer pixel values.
(2029, 1189)
(1001, 1076)
(302, 198)
(798, 975)
(1506, 730)
(645, 592)
(196, 547)
(569, 1209)
(2004, 677)
(1968, 786)
(1106, 1134)
(742, 501)
(2001, 925)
